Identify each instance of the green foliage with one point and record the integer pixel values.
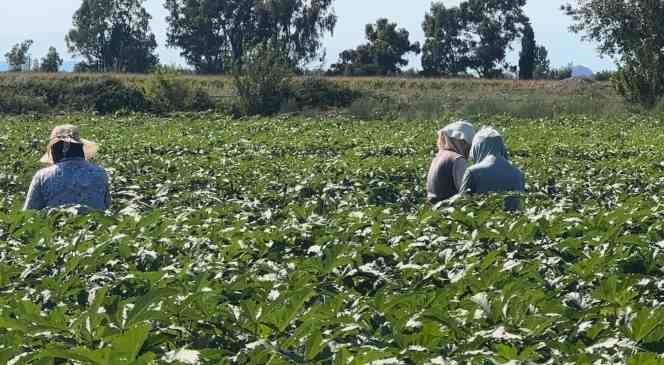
(51, 62)
(215, 36)
(639, 84)
(263, 84)
(304, 240)
(604, 75)
(474, 35)
(113, 36)
(11, 103)
(17, 57)
(102, 95)
(315, 92)
(632, 33)
(166, 92)
(527, 54)
(542, 63)
(383, 55)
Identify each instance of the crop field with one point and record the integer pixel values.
(294, 240)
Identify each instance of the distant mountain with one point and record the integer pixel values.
(581, 72)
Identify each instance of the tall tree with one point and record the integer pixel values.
(211, 34)
(17, 58)
(527, 54)
(542, 63)
(474, 35)
(52, 61)
(632, 33)
(214, 35)
(382, 55)
(113, 35)
(446, 50)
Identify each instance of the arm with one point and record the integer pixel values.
(467, 183)
(460, 166)
(34, 200)
(432, 182)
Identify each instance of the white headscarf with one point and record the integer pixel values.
(457, 137)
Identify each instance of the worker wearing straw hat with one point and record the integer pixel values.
(69, 180)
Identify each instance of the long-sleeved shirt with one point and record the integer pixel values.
(69, 182)
(445, 176)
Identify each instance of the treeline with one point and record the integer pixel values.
(215, 37)
(471, 39)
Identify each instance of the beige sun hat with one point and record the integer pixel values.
(68, 133)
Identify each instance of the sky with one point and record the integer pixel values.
(47, 21)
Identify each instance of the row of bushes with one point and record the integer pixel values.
(102, 95)
(159, 93)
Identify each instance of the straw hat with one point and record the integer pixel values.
(69, 134)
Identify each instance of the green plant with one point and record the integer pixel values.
(309, 240)
(166, 92)
(263, 83)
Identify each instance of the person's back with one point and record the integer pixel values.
(69, 182)
(494, 175)
(492, 172)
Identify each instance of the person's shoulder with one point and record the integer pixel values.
(46, 171)
(96, 169)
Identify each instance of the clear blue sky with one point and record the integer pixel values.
(47, 21)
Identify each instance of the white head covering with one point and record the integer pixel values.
(69, 134)
(460, 130)
(487, 142)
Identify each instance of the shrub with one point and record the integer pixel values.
(102, 95)
(315, 92)
(20, 104)
(639, 84)
(263, 83)
(166, 92)
(604, 75)
(107, 96)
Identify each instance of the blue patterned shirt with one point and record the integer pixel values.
(70, 182)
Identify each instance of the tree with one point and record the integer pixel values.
(17, 58)
(542, 63)
(446, 49)
(527, 55)
(52, 61)
(474, 35)
(382, 55)
(215, 35)
(113, 35)
(631, 33)
(211, 34)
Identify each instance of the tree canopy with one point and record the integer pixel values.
(17, 57)
(113, 35)
(527, 54)
(382, 55)
(215, 35)
(632, 33)
(472, 36)
(51, 62)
